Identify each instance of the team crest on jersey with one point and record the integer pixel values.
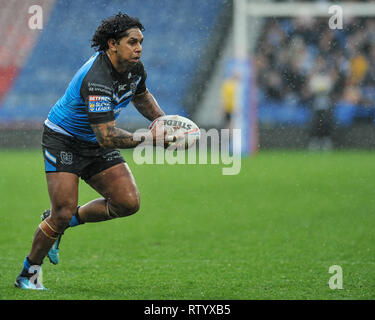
(133, 87)
(66, 157)
(99, 104)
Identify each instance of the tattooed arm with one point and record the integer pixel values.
(109, 136)
(147, 105)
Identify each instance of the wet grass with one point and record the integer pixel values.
(271, 232)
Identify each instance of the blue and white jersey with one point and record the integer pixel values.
(96, 94)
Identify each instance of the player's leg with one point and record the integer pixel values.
(120, 195)
(53, 253)
(60, 155)
(63, 192)
(117, 183)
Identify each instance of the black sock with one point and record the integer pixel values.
(78, 217)
(26, 266)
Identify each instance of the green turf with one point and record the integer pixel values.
(271, 232)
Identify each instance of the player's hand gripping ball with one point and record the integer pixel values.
(181, 132)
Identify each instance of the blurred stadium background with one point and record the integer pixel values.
(299, 65)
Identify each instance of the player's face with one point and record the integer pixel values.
(129, 48)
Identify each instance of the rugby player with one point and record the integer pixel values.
(80, 140)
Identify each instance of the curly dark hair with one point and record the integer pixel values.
(114, 27)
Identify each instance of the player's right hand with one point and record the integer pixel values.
(160, 135)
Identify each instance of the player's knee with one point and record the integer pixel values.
(130, 205)
(133, 206)
(127, 206)
(62, 216)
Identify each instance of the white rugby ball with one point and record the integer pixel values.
(185, 130)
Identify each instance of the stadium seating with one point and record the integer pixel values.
(271, 112)
(174, 41)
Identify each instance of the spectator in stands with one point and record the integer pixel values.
(301, 61)
(229, 95)
(321, 84)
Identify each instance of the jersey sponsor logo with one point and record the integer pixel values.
(122, 87)
(99, 88)
(98, 85)
(99, 104)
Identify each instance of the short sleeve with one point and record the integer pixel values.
(98, 100)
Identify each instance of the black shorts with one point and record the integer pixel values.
(68, 154)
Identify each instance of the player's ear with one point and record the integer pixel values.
(112, 45)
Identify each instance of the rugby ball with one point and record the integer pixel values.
(183, 130)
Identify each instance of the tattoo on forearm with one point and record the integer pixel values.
(109, 136)
(147, 105)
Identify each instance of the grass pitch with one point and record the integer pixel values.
(271, 232)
